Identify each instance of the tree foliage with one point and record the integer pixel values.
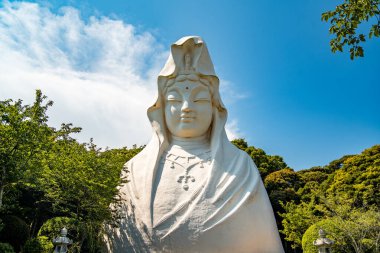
(358, 178)
(345, 21)
(15, 231)
(333, 233)
(359, 226)
(345, 192)
(282, 187)
(297, 218)
(6, 248)
(46, 173)
(24, 134)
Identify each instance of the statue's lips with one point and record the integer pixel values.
(187, 118)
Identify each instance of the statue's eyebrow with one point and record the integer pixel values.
(173, 89)
(199, 89)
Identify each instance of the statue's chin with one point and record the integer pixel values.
(188, 128)
(189, 133)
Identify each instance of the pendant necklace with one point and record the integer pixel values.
(188, 163)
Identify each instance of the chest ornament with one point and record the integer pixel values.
(186, 163)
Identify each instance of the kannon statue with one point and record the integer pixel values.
(190, 189)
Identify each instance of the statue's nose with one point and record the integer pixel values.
(186, 106)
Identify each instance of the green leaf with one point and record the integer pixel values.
(346, 19)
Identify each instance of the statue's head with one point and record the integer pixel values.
(188, 105)
(188, 92)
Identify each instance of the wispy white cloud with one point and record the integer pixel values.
(100, 72)
(229, 96)
(232, 130)
(229, 93)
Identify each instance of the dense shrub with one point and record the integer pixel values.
(15, 232)
(332, 232)
(6, 248)
(46, 244)
(33, 246)
(52, 228)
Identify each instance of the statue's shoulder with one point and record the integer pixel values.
(238, 152)
(141, 156)
(246, 157)
(242, 153)
(137, 166)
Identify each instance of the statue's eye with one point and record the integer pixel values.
(202, 97)
(173, 97)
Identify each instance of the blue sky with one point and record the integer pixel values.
(285, 91)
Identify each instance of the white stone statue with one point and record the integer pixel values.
(190, 189)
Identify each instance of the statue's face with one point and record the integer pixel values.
(188, 109)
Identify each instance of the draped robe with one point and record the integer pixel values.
(229, 212)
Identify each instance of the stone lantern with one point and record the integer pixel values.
(324, 244)
(61, 242)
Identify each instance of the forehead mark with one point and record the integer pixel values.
(175, 85)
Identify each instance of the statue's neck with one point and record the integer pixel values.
(200, 142)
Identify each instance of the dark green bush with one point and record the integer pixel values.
(332, 231)
(15, 232)
(6, 248)
(52, 227)
(46, 244)
(33, 245)
(1, 225)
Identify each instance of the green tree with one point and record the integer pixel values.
(358, 178)
(282, 187)
(24, 134)
(80, 181)
(346, 191)
(46, 173)
(312, 180)
(345, 21)
(297, 218)
(360, 225)
(240, 143)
